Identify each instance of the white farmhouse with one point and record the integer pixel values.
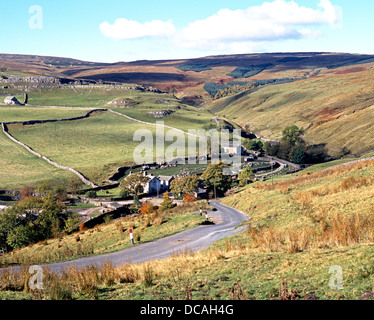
(232, 148)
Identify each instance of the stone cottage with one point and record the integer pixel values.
(11, 101)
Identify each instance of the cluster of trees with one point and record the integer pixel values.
(254, 144)
(233, 89)
(214, 178)
(182, 186)
(34, 219)
(220, 90)
(248, 71)
(194, 67)
(276, 81)
(293, 147)
(213, 88)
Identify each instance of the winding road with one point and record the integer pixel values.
(225, 220)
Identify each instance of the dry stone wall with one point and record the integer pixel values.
(78, 174)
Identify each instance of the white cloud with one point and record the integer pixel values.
(124, 29)
(235, 30)
(270, 21)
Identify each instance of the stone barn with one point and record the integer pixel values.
(11, 101)
(153, 185)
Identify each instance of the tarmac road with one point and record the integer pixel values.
(225, 220)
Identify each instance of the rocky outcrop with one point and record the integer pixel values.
(123, 103)
(40, 80)
(160, 114)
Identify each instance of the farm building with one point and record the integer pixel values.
(165, 182)
(153, 185)
(232, 148)
(11, 101)
(157, 184)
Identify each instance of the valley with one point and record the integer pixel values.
(301, 217)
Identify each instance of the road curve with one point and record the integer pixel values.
(225, 220)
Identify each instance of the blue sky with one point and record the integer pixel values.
(121, 30)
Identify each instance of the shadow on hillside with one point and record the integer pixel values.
(137, 77)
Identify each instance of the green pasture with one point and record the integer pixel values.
(19, 168)
(96, 146)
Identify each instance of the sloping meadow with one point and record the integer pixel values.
(325, 209)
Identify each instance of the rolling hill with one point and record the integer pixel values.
(335, 108)
(186, 77)
(330, 95)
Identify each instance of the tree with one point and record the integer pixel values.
(186, 185)
(31, 220)
(74, 185)
(254, 144)
(134, 184)
(271, 149)
(167, 203)
(293, 135)
(292, 146)
(215, 179)
(299, 156)
(246, 176)
(22, 236)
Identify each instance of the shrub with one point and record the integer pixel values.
(157, 221)
(148, 276)
(189, 198)
(119, 227)
(167, 203)
(147, 208)
(91, 194)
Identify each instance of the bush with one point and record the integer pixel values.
(189, 198)
(91, 194)
(147, 208)
(148, 276)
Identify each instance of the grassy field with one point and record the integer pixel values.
(133, 103)
(188, 118)
(96, 146)
(19, 168)
(335, 108)
(93, 96)
(10, 114)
